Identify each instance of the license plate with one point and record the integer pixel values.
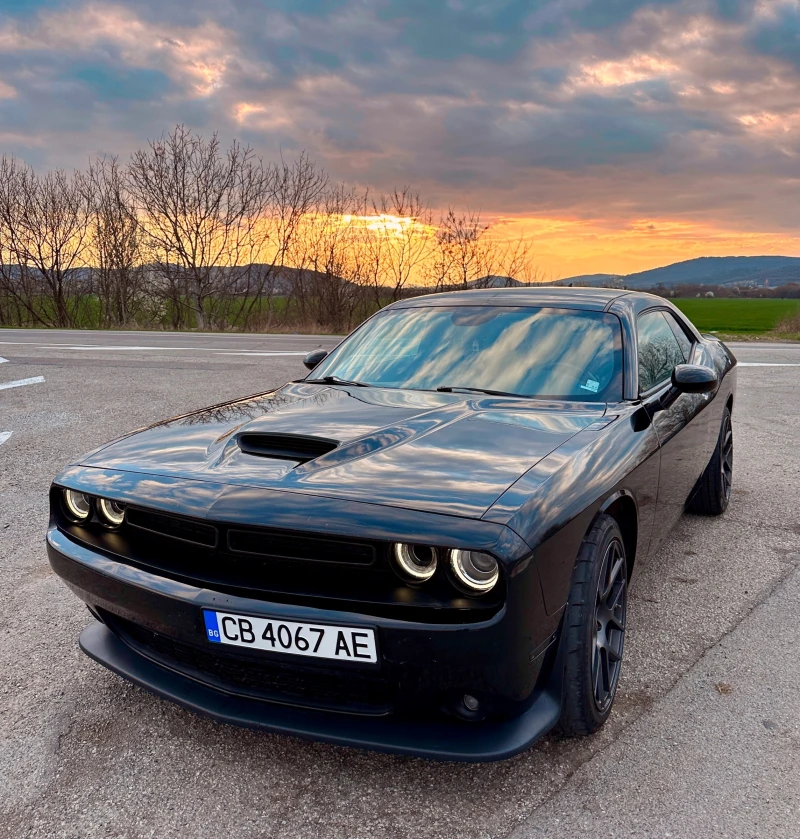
(341, 643)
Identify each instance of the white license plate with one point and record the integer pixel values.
(341, 643)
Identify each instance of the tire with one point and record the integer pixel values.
(594, 627)
(713, 492)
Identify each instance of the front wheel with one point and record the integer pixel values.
(594, 628)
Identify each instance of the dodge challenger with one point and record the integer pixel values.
(423, 547)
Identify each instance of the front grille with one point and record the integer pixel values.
(250, 675)
(187, 530)
(290, 546)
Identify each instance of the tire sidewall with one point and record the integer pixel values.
(581, 714)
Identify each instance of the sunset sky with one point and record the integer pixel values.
(617, 135)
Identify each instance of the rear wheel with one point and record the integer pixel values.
(713, 493)
(594, 627)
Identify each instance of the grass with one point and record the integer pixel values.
(258, 314)
(744, 318)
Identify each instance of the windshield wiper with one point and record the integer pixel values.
(335, 380)
(458, 388)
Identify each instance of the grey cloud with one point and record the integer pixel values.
(576, 105)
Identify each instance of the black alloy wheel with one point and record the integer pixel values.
(594, 629)
(611, 606)
(713, 491)
(726, 459)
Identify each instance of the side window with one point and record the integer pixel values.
(659, 350)
(682, 338)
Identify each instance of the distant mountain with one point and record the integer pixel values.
(590, 279)
(720, 270)
(494, 281)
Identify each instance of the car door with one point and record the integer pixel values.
(662, 345)
(705, 424)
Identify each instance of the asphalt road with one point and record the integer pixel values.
(704, 739)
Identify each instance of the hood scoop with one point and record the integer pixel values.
(298, 447)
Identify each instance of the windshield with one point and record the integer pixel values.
(542, 352)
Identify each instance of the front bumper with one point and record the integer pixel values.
(425, 661)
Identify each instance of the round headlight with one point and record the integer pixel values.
(112, 513)
(474, 570)
(416, 562)
(77, 504)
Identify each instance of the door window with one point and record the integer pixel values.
(682, 338)
(659, 350)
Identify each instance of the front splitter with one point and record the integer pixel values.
(445, 740)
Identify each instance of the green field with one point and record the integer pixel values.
(732, 316)
(745, 317)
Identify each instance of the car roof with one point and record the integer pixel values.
(593, 299)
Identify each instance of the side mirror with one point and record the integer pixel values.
(686, 378)
(314, 358)
(694, 378)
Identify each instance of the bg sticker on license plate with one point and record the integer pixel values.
(341, 643)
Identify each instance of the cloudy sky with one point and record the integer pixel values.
(618, 134)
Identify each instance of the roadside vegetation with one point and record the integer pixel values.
(190, 235)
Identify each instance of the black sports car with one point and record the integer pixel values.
(425, 545)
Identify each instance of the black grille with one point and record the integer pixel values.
(286, 446)
(288, 546)
(178, 528)
(354, 690)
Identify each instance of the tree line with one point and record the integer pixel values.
(190, 234)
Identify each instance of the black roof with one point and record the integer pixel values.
(595, 299)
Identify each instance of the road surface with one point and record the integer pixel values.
(704, 739)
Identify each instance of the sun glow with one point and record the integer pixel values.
(386, 223)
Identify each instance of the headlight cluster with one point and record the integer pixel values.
(78, 506)
(475, 572)
(416, 562)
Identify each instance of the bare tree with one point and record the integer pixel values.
(194, 234)
(294, 192)
(465, 255)
(329, 283)
(461, 255)
(516, 260)
(116, 243)
(201, 210)
(400, 228)
(44, 226)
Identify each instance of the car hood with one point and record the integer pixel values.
(436, 452)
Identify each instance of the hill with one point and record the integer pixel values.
(720, 270)
(590, 279)
(704, 270)
(494, 281)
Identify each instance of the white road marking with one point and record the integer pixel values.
(20, 382)
(4, 435)
(3, 360)
(108, 347)
(284, 352)
(119, 348)
(769, 364)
